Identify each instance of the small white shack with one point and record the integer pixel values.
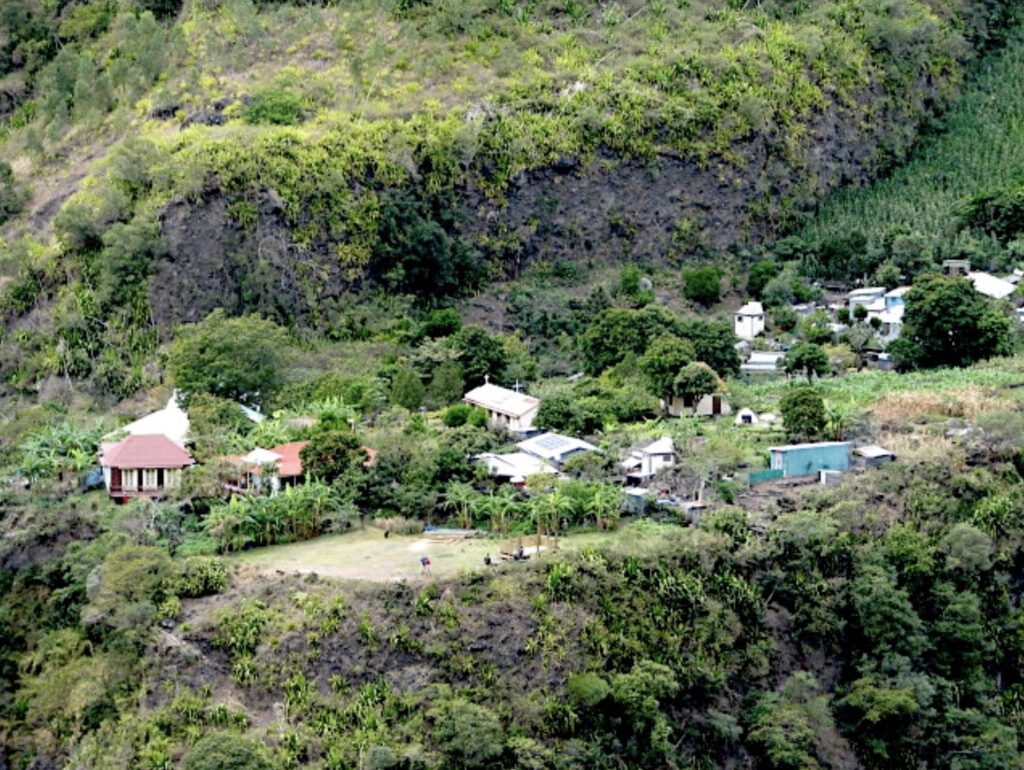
(749, 321)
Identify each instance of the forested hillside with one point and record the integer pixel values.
(169, 159)
(477, 385)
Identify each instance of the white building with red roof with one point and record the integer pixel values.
(142, 465)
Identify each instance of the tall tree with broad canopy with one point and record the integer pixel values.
(808, 358)
(948, 323)
(241, 359)
(661, 363)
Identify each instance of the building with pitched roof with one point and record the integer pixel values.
(748, 322)
(146, 465)
(643, 463)
(505, 408)
(554, 448)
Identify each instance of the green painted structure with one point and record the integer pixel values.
(796, 460)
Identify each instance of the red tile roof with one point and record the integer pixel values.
(291, 463)
(146, 451)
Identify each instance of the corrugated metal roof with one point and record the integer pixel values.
(290, 464)
(502, 400)
(813, 444)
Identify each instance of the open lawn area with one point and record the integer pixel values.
(367, 555)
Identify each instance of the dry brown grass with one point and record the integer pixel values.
(919, 446)
(967, 402)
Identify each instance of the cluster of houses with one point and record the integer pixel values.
(546, 454)
(883, 309)
(147, 458)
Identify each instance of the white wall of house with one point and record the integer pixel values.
(650, 463)
(748, 326)
(708, 406)
(517, 424)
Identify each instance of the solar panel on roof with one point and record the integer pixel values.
(551, 442)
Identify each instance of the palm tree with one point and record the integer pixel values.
(605, 504)
(503, 506)
(461, 497)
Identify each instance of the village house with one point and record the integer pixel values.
(514, 467)
(764, 362)
(710, 405)
(505, 408)
(864, 297)
(749, 321)
(954, 267)
(643, 463)
(555, 449)
(142, 465)
(795, 460)
(543, 454)
(991, 286)
(279, 467)
(984, 283)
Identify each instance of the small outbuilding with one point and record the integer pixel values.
(746, 417)
(795, 460)
(873, 456)
(749, 321)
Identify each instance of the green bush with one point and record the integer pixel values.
(458, 415)
(703, 285)
(223, 751)
(278, 108)
(13, 195)
(199, 577)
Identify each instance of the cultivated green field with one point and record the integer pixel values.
(981, 149)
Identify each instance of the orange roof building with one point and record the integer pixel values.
(146, 465)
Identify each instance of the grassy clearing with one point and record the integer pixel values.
(367, 555)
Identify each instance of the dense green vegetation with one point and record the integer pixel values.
(946, 202)
(359, 153)
(328, 194)
(873, 625)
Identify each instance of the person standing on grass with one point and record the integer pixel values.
(425, 565)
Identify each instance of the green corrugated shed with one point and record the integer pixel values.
(808, 459)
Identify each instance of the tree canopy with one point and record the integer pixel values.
(948, 323)
(241, 358)
(808, 358)
(662, 361)
(803, 413)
